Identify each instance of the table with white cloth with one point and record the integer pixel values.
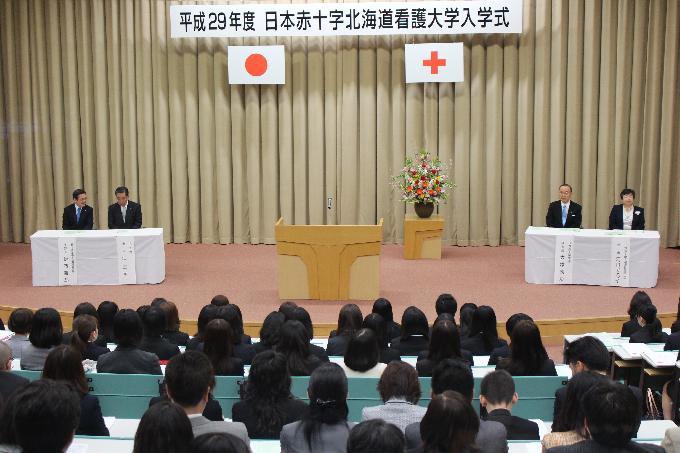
(98, 257)
(627, 258)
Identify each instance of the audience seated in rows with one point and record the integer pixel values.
(482, 338)
(650, 327)
(497, 395)
(639, 299)
(377, 324)
(84, 336)
(362, 358)
(349, 322)
(85, 308)
(9, 382)
(503, 352)
(444, 344)
(415, 333)
(383, 307)
(528, 356)
(376, 435)
(20, 321)
(46, 333)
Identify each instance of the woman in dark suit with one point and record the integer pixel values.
(527, 353)
(627, 216)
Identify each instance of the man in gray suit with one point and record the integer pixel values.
(456, 375)
(189, 378)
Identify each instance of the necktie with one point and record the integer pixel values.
(124, 212)
(564, 215)
(78, 214)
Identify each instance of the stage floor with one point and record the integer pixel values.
(247, 275)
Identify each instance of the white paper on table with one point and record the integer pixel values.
(127, 274)
(109, 421)
(564, 259)
(620, 259)
(77, 448)
(67, 261)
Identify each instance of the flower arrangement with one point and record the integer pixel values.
(423, 179)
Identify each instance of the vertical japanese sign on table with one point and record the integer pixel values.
(564, 260)
(620, 260)
(127, 273)
(67, 261)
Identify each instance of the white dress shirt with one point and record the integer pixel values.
(123, 211)
(628, 218)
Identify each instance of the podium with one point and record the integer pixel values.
(423, 237)
(328, 262)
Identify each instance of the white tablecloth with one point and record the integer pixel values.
(592, 256)
(97, 257)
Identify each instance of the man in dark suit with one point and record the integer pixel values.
(124, 214)
(627, 216)
(9, 382)
(497, 394)
(78, 215)
(564, 213)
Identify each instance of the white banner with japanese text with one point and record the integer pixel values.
(341, 19)
(127, 273)
(564, 260)
(621, 261)
(67, 261)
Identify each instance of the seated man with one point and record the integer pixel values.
(456, 375)
(9, 382)
(124, 214)
(612, 418)
(189, 378)
(564, 213)
(78, 215)
(497, 394)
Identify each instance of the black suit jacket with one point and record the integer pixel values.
(337, 345)
(616, 218)
(553, 218)
(133, 216)
(91, 419)
(388, 355)
(291, 410)
(126, 360)
(561, 396)
(9, 382)
(475, 344)
(630, 327)
(212, 410)
(518, 428)
(69, 222)
(502, 352)
(411, 346)
(164, 349)
(590, 446)
(672, 342)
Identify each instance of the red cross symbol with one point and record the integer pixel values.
(434, 62)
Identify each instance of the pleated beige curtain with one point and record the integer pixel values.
(96, 94)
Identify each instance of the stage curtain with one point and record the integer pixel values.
(96, 94)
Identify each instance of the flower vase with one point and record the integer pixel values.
(424, 210)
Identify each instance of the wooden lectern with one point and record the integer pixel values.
(328, 262)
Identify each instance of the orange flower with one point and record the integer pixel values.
(419, 191)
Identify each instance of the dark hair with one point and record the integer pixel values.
(171, 315)
(566, 185)
(484, 323)
(188, 376)
(46, 329)
(450, 424)
(451, 374)
(294, 344)
(377, 324)
(271, 327)
(267, 389)
(399, 380)
(383, 307)
(498, 387)
(513, 320)
(7, 431)
(232, 315)
(122, 189)
(164, 428)
(466, 312)
(612, 413)
(363, 352)
(141, 311)
(639, 299)
(219, 345)
(85, 308)
(77, 193)
(220, 300)
(327, 400)
(652, 323)
(207, 314)
(375, 435)
(64, 363)
(627, 192)
(286, 308)
(446, 303)
(81, 330)
(414, 322)
(444, 342)
(527, 353)
(570, 416)
(154, 322)
(20, 321)
(46, 414)
(107, 311)
(349, 319)
(218, 443)
(157, 301)
(588, 350)
(302, 315)
(127, 328)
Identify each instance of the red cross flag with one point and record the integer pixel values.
(258, 65)
(435, 62)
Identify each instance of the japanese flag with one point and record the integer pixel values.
(435, 62)
(259, 65)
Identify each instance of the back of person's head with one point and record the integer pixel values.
(218, 342)
(46, 330)
(46, 415)
(648, 313)
(164, 428)
(154, 322)
(383, 307)
(271, 327)
(327, 400)
(373, 436)
(5, 356)
(444, 341)
(286, 308)
(232, 315)
(377, 324)
(188, 377)
(64, 363)
(20, 321)
(466, 312)
(85, 308)
(363, 351)
(498, 387)
(218, 443)
(484, 323)
(570, 416)
(294, 344)
(513, 320)
(82, 329)
(450, 424)
(107, 311)
(219, 300)
(639, 299)
(302, 315)
(268, 386)
(399, 380)
(446, 303)
(349, 319)
(141, 311)
(171, 315)
(207, 314)
(127, 328)
(451, 374)
(588, 350)
(652, 323)
(527, 351)
(612, 414)
(157, 301)
(414, 322)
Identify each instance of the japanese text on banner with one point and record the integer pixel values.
(127, 271)
(620, 261)
(564, 260)
(67, 261)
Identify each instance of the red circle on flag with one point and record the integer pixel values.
(256, 64)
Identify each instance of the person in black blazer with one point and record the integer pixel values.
(415, 336)
(133, 211)
(626, 216)
(152, 341)
(564, 213)
(498, 396)
(9, 382)
(78, 215)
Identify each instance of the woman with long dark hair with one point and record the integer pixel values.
(383, 307)
(294, 345)
(483, 336)
(207, 314)
(444, 344)
(465, 314)
(171, 331)
(83, 337)
(164, 428)
(269, 332)
(527, 353)
(219, 347)
(651, 330)
(415, 333)
(449, 425)
(46, 333)
(639, 299)
(324, 428)
(107, 311)
(362, 358)
(268, 404)
(377, 324)
(349, 321)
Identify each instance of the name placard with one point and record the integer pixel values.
(564, 260)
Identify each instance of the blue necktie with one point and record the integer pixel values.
(77, 214)
(564, 215)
